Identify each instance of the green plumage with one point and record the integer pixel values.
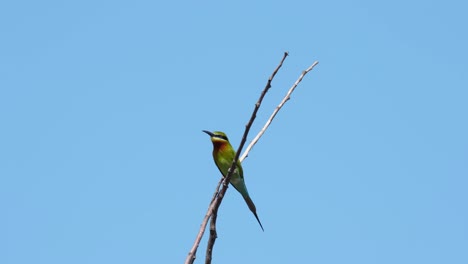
(223, 155)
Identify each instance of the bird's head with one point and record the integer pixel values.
(217, 136)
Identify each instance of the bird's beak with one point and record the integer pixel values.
(208, 132)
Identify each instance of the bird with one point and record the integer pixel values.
(223, 155)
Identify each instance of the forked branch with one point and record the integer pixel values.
(217, 202)
(219, 194)
(268, 122)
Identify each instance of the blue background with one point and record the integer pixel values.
(103, 160)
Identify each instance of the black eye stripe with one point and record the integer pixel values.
(222, 137)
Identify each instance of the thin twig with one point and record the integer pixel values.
(220, 196)
(268, 122)
(213, 235)
(192, 254)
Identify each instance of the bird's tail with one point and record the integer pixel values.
(252, 208)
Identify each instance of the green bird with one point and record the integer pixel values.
(223, 155)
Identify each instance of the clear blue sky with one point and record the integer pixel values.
(102, 103)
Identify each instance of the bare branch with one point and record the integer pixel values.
(192, 254)
(268, 122)
(213, 235)
(221, 194)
